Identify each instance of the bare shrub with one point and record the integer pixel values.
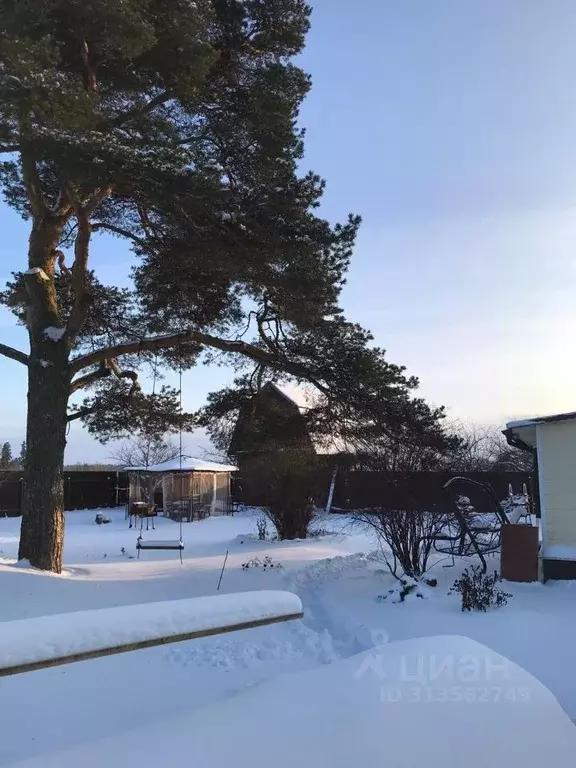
(289, 486)
(262, 526)
(264, 564)
(405, 537)
(145, 451)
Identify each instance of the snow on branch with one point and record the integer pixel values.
(37, 271)
(54, 334)
(48, 641)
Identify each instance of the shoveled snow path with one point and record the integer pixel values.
(346, 636)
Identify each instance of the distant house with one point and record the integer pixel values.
(268, 423)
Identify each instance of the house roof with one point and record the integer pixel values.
(269, 420)
(541, 420)
(186, 464)
(522, 433)
(272, 385)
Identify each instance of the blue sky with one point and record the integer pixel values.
(450, 126)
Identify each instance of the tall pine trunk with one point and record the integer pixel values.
(42, 532)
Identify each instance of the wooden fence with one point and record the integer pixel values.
(82, 490)
(403, 490)
(353, 490)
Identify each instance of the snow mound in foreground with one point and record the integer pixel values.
(428, 701)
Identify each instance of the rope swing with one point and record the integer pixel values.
(170, 544)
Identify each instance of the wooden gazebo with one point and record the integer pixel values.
(191, 488)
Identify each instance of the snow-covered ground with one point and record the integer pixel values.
(149, 691)
(480, 710)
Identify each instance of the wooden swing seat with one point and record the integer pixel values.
(155, 544)
(176, 545)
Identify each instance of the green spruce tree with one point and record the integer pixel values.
(6, 461)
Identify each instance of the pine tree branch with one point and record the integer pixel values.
(81, 253)
(63, 205)
(14, 354)
(132, 375)
(90, 81)
(118, 231)
(32, 184)
(80, 414)
(79, 274)
(142, 110)
(107, 368)
(274, 360)
(84, 381)
(90, 205)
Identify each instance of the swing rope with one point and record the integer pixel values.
(168, 545)
(180, 420)
(149, 443)
(151, 409)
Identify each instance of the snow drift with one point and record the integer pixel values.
(430, 701)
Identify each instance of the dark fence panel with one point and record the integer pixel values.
(247, 487)
(353, 490)
(420, 490)
(82, 490)
(417, 490)
(89, 490)
(10, 493)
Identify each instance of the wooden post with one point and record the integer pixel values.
(331, 491)
(519, 553)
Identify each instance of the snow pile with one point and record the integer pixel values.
(516, 506)
(253, 538)
(406, 590)
(49, 638)
(54, 334)
(330, 569)
(417, 702)
(37, 271)
(288, 646)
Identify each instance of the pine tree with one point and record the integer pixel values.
(173, 126)
(6, 461)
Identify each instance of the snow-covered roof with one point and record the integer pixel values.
(186, 464)
(280, 391)
(541, 420)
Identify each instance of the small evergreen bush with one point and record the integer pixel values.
(478, 590)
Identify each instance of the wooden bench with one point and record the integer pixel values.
(49, 641)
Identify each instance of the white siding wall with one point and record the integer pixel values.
(557, 470)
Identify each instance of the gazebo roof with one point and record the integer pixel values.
(186, 464)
